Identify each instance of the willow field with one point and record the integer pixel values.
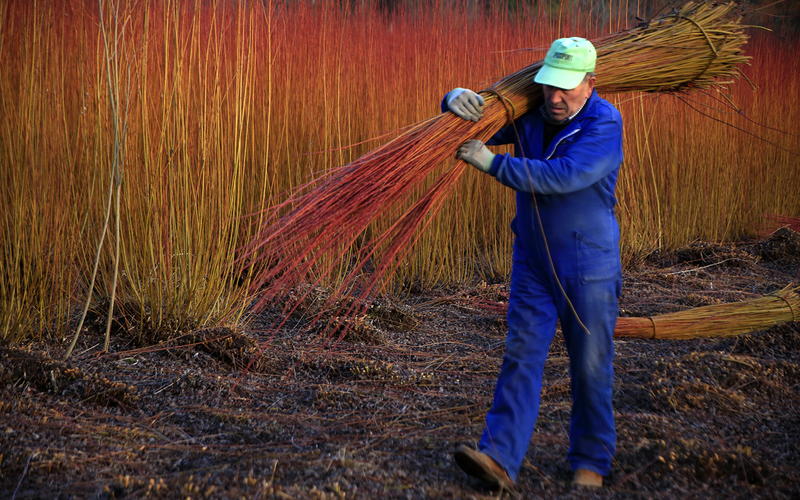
(139, 141)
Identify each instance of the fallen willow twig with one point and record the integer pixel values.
(719, 320)
(302, 239)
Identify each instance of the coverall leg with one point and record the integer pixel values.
(535, 305)
(592, 434)
(532, 319)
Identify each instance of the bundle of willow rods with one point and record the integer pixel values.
(302, 239)
(722, 320)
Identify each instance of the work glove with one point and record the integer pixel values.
(476, 154)
(465, 104)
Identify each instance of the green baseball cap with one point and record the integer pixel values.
(567, 62)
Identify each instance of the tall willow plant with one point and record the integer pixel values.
(177, 214)
(131, 142)
(182, 206)
(37, 235)
(119, 98)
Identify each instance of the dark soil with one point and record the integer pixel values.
(220, 413)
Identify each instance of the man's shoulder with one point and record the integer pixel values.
(603, 110)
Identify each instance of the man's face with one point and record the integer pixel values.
(561, 104)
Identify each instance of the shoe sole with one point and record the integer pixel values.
(476, 468)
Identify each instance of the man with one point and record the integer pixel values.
(566, 264)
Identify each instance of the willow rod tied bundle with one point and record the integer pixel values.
(722, 320)
(302, 239)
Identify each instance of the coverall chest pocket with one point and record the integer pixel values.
(596, 262)
(563, 146)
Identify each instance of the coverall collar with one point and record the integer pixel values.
(589, 110)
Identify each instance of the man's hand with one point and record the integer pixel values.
(465, 104)
(476, 154)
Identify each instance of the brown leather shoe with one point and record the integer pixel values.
(483, 467)
(587, 478)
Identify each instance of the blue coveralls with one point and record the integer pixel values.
(574, 183)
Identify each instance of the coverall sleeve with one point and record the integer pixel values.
(595, 153)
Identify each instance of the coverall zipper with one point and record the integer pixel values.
(553, 150)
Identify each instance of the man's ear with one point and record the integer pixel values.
(590, 85)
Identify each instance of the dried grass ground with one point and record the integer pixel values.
(379, 415)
